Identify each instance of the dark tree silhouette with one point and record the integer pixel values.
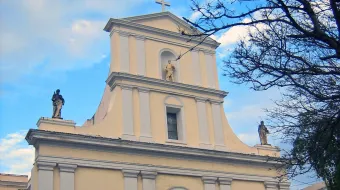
(293, 45)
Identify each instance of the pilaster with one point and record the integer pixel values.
(66, 172)
(145, 124)
(45, 175)
(218, 127)
(127, 104)
(140, 46)
(196, 67)
(203, 123)
(209, 183)
(225, 183)
(130, 179)
(210, 66)
(124, 52)
(149, 180)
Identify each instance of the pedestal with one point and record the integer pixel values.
(268, 150)
(53, 124)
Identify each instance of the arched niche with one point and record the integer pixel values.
(164, 56)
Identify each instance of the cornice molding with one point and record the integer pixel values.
(141, 38)
(132, 169)
(35, 137)
(126, 87)
(208, 52)
(143, 89)
(47, 166)
(225, 180)
(124, 33)
(149, 174)
(70, 168)
(130, 173)
(116, 78)
(132, 25)
(215, 102)
(209, 180)
(198, 99)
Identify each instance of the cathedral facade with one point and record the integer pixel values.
(157, 127)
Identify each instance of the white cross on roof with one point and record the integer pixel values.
(163, 3)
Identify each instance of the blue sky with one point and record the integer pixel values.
(46, 45)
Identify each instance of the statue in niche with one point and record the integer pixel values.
(58, 102)
(169, 70)
(263, 131)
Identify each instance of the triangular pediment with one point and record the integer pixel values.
(162, 20)
(164, 23)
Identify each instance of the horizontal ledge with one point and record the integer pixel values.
(115, 77)
(134, 168)
(267, 147)
(54, 121)
(35, 136)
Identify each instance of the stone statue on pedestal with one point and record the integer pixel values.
(169, 69)
(263, 131)
(58, 102)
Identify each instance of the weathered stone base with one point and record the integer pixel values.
(55, 121)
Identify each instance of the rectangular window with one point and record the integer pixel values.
(172, 126)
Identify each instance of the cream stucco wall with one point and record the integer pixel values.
(90, 179)
(165, 182)
(162, 23)
(243, 185)
(8, 188)
(14, 178)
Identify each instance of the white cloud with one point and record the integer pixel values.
(236, 33)
(253, 112)
(54, 35)
(233, 35)
(229, 38)
(83, 34)
(213, 37)
(194, 16)
(16, 156)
